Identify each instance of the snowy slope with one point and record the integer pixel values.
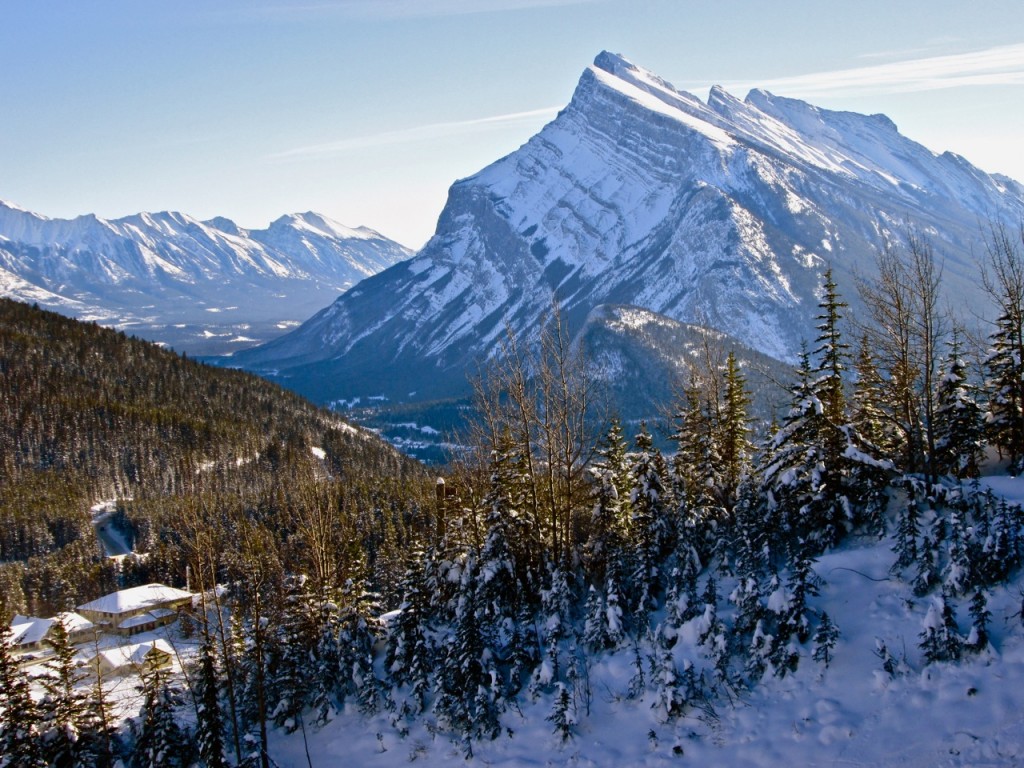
(201, 286)
(723, 213)
(852, 713)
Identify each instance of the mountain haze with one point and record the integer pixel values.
(202, 287)
(723, 213)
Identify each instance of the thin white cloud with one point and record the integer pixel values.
(415, 134)
(1002, 65)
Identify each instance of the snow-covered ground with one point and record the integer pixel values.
(851, 714)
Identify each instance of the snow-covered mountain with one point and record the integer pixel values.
(723, 213)
(203, 287)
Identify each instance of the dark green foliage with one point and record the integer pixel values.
(980, 618)
(209, 736)
(161, 742)
(19, 716)
(825, 638)
(940, 637)
(87, 414)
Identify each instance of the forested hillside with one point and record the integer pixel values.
(572, 576)
(87, 414)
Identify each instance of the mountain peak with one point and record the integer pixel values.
(613, 63)
(641, 194)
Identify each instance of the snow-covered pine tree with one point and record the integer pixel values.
(833, 354)
(803, 583)
(466, 695)
(908, 529)
(653, 529)
(595, 631)
(978, 639)
(1004, 282)
(555, 615)
(498, 590)
(825, 638)
(64, 708)
(161, 742)
(561, 716)
(19, 716)
(958, 419)
(733, 432)
(959, 573)
(869, 444)
(605, 549)
(689, 425)
(927, 575)
(358, 631)
(792, 484)
(940, 636)
(410, 656)
(670, 688)
(209, 735)
(290, 666)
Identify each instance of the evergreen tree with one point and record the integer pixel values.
(733, 432)
(869, 434)
(958, 429)
(1004, 282)
(210, 738)
(467, 696)
(690, 426)
(161, 742)
(940, 636)
(498, 590)
(652, 527)
(605, 549)
(561, 716)
(595, 630)
(801, 490)
(290, 665)
(19, 716)
(825, 638)
(65, 706)
(410, 656)
(980, 617)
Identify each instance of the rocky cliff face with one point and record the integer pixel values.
(723, 214)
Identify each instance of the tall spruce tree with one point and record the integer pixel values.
(1003, 279)
(161, 742)
(210, 737)
(959, 425)
(19, 716)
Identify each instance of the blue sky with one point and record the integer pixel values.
(367, 110)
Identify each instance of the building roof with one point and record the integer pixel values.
(29, 630)
(145, 618)
(74, 622)
(135, 599)
(131, 655)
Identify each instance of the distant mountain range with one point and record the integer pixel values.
(722, 213)
(202, 287)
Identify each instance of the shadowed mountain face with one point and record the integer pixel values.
(723, 214)
(202, 287)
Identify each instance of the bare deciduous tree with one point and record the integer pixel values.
(906, 330)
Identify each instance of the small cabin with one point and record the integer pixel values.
(132, 659)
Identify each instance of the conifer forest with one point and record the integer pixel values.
(335, 577)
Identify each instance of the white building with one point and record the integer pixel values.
(139, 609)
(132, 659)
(30, 632)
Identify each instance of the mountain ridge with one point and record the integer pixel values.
(724, 214)
(204, 287)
